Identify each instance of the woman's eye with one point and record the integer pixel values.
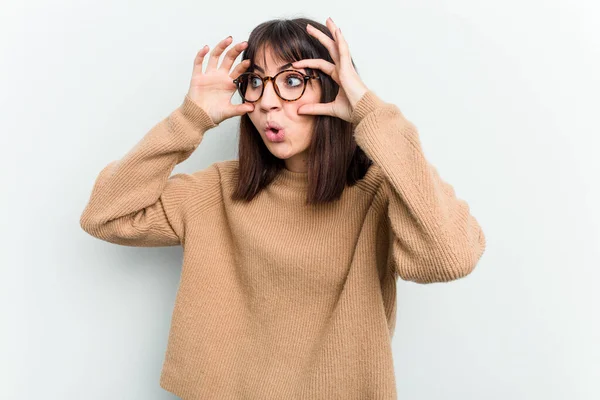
(293, 80)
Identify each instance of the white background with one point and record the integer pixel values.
(505, 96)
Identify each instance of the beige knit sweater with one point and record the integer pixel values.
(277, 299)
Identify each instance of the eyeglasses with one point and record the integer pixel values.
(289, 85)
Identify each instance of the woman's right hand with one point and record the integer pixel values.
(212, 90)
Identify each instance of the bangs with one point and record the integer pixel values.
(288, 41)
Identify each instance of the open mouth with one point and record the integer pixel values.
(275, 134)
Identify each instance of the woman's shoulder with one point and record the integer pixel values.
(219, 173)
(219, 168)
(372, 179)
(211, 177)
(228, 169)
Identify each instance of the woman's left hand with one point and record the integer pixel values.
(342, 72)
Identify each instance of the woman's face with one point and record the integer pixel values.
(297, 128)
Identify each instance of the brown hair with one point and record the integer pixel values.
(334, 158)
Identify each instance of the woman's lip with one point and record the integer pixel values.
(275, 137)
(274, 131)
(272, 124)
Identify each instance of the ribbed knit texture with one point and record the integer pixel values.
(278, 299)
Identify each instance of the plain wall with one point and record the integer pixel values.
(505, 97)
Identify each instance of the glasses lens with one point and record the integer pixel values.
(290, 85)
(250, 86)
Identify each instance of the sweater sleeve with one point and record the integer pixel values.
(433, 236)
(134, 201)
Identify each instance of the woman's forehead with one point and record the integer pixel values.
(265, 59)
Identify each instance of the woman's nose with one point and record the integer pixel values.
(269, 97)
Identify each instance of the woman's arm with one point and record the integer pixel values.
(434, 237)
(134, 202)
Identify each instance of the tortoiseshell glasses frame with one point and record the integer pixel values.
(305, 79)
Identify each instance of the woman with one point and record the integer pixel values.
(291, 252)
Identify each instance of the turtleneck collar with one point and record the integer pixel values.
(288, 178)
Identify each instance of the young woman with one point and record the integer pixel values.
(292, 251)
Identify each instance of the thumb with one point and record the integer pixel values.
(317, 109)
(238, 110)
(242, 109)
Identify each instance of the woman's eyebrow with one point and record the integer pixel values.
(285, 66)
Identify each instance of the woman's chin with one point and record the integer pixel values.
(280, 150)
(282, 156)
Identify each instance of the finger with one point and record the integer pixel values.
(239, 109)
(319, 63)
(240, 68)
(345, 58)
(197, 69)
(215, 54)
(331, 26)
(329, 44)
(340, 41)
(318, 109)
(232, 54)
